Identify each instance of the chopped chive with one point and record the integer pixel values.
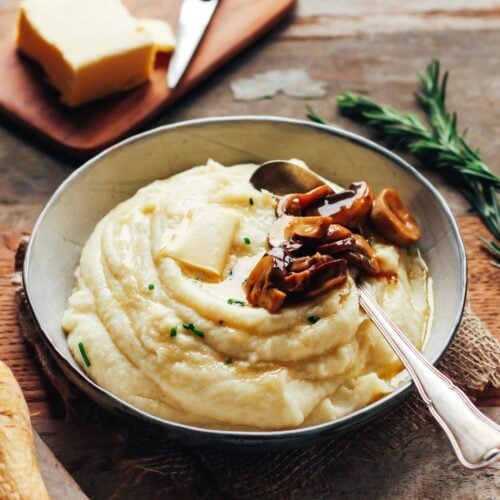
(85, 358)
(247, 241)
(197, 332)
(228, 360)
(237, 302)
(230, 272)
(313, 319)
(192, 328)
(173, 331)
(250, 200)
(151, 286)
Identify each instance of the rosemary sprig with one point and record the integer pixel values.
(493, 249)
(439, 145)
(312, 115)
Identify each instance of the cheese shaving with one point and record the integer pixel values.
(293, 82)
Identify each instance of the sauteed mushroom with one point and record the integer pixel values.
(348, 207)
(362, 256)
(337, 232)
(356, 250)
(311, 246)
(296, 203)
(393, 220)
(322, 274)
(292, 228)
(274, 278)
(261, 285)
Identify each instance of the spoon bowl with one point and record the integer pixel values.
(282, 177)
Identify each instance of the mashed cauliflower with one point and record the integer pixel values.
(163, 320)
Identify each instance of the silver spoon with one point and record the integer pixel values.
(474, 437)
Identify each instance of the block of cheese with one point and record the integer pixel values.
(205, 242)
(163, 38)
(88, 48)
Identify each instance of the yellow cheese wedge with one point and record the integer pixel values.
(88, 48)
(161, 32)
(205, 242)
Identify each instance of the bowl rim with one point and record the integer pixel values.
(361, 415)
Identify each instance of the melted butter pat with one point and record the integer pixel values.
(232, 285)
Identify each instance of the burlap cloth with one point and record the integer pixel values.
(472, 362)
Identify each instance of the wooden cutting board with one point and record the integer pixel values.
(28, 100)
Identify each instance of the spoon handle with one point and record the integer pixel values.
(474, 437)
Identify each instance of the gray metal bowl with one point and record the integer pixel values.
(116, 174)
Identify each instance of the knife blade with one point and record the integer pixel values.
(195, 16)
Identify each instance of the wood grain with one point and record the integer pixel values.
(320, 19)
(26, 98)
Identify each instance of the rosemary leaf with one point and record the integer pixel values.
(493, 249)
(312, 115)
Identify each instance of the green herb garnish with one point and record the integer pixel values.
(313, 319)
(250, 200)
(85, 358)
(438, 145)
(193, 329)
(228, 361)
(312, 115)
(236, 302)
(247, 241)
(151, 286)
(493, 249)
(197, 332)
(173, 331)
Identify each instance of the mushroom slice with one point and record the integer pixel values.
(286, 228)
(327, 285)
(356, 250)
(296, 203)
(327, 277)
(302, 263)
(261, 286)
(347, 208)
(337, 232)
(321, 276)
(338, 246)
(361, 262)
(393, 220)
(307, 227)
(370, 262)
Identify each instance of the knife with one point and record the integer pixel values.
(194, 18)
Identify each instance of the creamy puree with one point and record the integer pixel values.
(251, 369)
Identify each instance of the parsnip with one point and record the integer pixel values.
(20, 478)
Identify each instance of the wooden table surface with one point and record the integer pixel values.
(369, 46)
